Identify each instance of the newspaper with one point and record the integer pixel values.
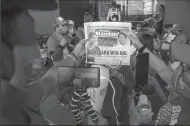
(108, 43)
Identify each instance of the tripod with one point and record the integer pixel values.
(80, 99)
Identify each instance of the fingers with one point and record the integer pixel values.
(132, 35)
(83, 41)
(63, 42)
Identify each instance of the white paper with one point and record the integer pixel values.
(108, 43)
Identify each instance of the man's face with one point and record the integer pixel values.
(86, 12)
(71, 29)
(122, 39)
(62, 29)
(20, 30)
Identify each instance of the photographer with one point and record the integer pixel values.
(114, 13)
(159, 23)
(176, 111)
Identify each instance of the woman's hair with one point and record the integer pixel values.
(148, 40)
(162, 6)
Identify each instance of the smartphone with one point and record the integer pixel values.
(169, 37)
(142, 68)
(90, 76)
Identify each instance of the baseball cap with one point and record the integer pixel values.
(59, 21)
(71, 22)
(7, 5)
(175, 27)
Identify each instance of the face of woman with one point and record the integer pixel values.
(161, 10)
(114, 19)
(86, 12)
(122, 39)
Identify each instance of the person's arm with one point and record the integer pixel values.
(91, 19)
(51, 46)
(84, 19)
(79, 35)
(12, 105)
(181, 38)
(119, 15)
(69, 60)
(58, 53)
(155, 62)
(160, 67)
(161, 17)
(108, 15)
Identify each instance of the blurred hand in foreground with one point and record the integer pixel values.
(24, 57)
(79, 50)
(134, 117)
(134, 39)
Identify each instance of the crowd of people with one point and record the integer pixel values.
(24, 86)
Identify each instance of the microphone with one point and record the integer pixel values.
(142, 49)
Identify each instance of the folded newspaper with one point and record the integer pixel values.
(108, 43)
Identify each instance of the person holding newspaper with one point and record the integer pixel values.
(176, 111)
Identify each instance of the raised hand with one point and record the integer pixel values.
(79, 50)
(134, 39)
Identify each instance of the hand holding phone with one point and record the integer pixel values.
(82, 76)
